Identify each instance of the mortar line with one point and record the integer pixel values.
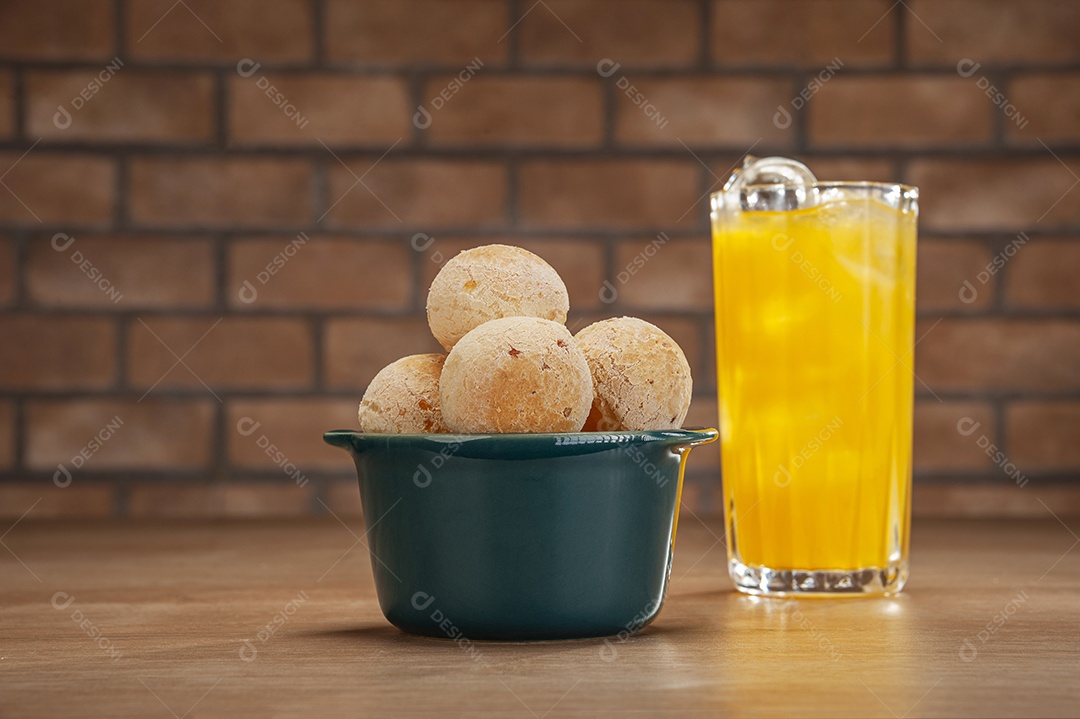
(18, 102)
(120, 12)
(221, 110)
(900, 59)
(705, 34)
(513, 40)
(318, 339)
(318, 30)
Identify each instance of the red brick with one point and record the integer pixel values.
(7, 435)
(705, 459)
(322, 272)
(808, 33)
(1002, 499)
(131, 106)
(706, 383)
(564, 112)
(292, 426)
(260, 352)
(358, 347)
(720, 171)
(634, 33)
(999, 355)
(155, 434)
(997, 195)
(336, 109)
(448, 32)
(899, 111)
(609, 193)
(235, 499)
(183, 191)
(1047, 108)
(1043, 274)
(141, 270)
(943, 268)
(1044, 436)
(52, 188)
(53, 353)
(676, 275)
(939, 443)
(700, 111)
(207, 30)
(417, 193)
(8, 271)
(852, 169)
(992, 31)
(57, 29)
(580, 263)
(7, 103)
(47, 501)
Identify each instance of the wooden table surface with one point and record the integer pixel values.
(279, 618)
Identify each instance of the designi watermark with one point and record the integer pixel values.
(247, 426)
(422, 117)
(422, 242)
(248, 292)
(609, 651)
(968, 291)
(608, 291)
(782, 475)
(62, 118)
(967, 427)
(782, 118)
(782, 242)
(969, 651)
(825, 644)
(423, 476)
(62, 600)
(968, 67)
(248, 650)
(642, 460)
(608, 67)
(62, 241)
(421, 601)
(62, 476)
(248, 67)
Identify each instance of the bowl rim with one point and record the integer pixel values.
(613, 436)
(685, 437)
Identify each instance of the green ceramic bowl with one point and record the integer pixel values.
(521, 536)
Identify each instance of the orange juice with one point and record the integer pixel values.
(815, 312)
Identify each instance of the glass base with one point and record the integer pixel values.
(865, 581)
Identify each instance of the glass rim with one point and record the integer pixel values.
(851, 184)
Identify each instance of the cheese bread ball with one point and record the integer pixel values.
(489, 282)
(516, 374)
(640, 376)
(403, 398)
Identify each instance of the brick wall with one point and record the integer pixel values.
(135, 222)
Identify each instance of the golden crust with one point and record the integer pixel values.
(403, 398)
(516, 374)
(640, 376)
(490, 282)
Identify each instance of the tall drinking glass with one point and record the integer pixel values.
(815, 310)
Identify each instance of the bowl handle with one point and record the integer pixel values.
(683, 447)
(699, 436)
(343, 438)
